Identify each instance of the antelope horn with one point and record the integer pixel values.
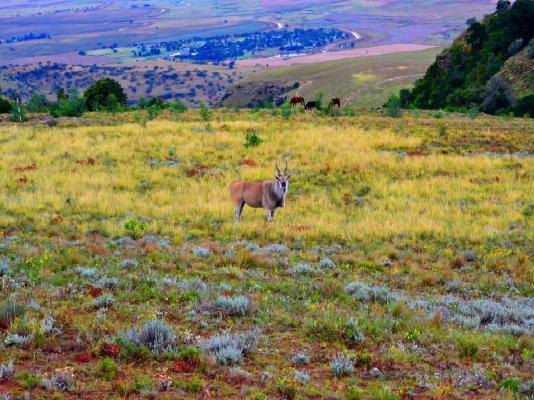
(277, 169)
(286, 170)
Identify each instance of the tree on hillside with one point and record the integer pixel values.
(70, 106)
(37, 103)
(499, 95)
(61, 95)
(530, 49)
(503, 5)
(525, 106)
(105, 94)
(5, 106)
(515, 46)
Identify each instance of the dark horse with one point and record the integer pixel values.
(297, 100)
(310, 105)
(336, 102)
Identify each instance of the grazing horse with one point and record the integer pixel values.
(297, 100)
(268, 195)
(336, 102)
(310, 105)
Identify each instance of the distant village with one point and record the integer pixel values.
(230, 47)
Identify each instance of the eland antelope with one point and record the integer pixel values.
(268, 195)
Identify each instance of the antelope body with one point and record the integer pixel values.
(268, 194)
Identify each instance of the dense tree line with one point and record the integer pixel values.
(27, 37)
(462, 77)
(103, 95)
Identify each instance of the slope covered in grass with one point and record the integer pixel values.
(359, 82)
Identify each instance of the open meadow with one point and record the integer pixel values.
(402, 266)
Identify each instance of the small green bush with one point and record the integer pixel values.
(107, 369)
(205, 112)
(193, 385)
(286, 110)
(393, 107)
(252, 140)
(319, 100)
(468, 348)
(134, 352)
(510, 384)
(178, 106)
(354, 393)
(28, 380)
(442, 130)
(135, 229)
(18, 113)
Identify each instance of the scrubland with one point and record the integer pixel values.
(401, 266)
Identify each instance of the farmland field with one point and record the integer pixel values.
(401, 266)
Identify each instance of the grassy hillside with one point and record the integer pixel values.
(401, 266)
(359, 82)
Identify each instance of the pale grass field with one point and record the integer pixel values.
(415, 197)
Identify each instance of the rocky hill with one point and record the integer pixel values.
(519, 72)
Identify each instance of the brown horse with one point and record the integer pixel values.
(336, 102)
(297, 100)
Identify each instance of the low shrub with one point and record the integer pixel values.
(302, 269)
(6, 371)
(301, 359)
(104, 301)
(155, 335)
(370, 293)
(202, 252)
(327, 263)
(62, 380)
(342, 365)
(276, 248)
(230, 349)
(10, 310)
(235, 306)
(302, 377)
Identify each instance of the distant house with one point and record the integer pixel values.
(185, 52)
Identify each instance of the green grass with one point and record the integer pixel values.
(359, 82)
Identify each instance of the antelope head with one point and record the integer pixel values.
(282, 179)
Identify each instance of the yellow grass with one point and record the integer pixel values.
(331, 159)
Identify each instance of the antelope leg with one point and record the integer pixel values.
(238, 211)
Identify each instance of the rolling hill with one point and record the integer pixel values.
(358, 82)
